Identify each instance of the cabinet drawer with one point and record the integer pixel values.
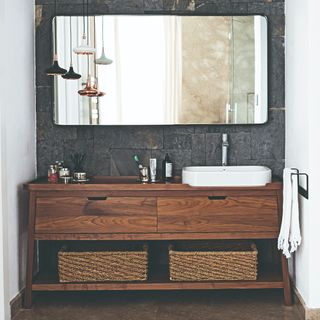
(209, 214)
(96, 215)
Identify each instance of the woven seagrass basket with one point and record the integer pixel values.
(129, 264)
(230, 261)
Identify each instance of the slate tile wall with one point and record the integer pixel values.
(110, 149)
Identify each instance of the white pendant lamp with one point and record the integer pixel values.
(103, 60)
(84, 47)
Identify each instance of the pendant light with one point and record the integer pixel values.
(55, 69)
(71, 75)
(84, 47)
(103, 59)
(91, 86)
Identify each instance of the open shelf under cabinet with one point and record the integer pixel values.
(158, 281)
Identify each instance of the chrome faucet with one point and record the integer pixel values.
(225, 146)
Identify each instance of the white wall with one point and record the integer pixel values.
(302, 134)
(17, 104)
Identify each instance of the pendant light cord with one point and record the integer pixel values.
(55, 51)
(70, 42)
(88, 67)
(102, 31)
(88, 22)
(83, 17)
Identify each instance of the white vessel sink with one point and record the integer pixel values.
(226, 176)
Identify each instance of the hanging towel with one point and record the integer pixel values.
(290, 237)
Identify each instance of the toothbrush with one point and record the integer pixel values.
(136, 159)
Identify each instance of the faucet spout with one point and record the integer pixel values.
(225, 146)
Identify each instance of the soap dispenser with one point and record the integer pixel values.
(167, 169)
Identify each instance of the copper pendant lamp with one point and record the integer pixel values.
(91, 88)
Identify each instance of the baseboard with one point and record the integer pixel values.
(305, 312)
(16, 304)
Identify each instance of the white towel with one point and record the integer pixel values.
(290, 236)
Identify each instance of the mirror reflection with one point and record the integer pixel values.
(153, 70)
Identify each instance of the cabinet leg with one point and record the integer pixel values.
(28, 291)
(286, 281)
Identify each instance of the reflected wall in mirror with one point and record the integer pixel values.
(166, 70)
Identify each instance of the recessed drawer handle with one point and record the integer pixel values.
(217, 197)
(97, 198)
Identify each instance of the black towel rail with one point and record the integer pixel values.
(303, 191)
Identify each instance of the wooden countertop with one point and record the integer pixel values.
(121, 183)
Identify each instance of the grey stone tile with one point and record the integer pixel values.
(213, 149)
(250, 1)
(268, 140)
(178, 5)
(200, 129)
(103, 137)
(70, 2)
(266, 8)
(127, 6)
(276, 72)
(100, 164)
(229, 128)
(122, 162)
(185, 129)
(198, 156)
(178, 141)
(222, 8)
(47, 154)
(184, 143)
(153, 5)
(277, 25)
(138, 137)
(44, 99)
(47, 132)
(179, 158)
(43, 48)
(85, 132)
(78, 146)
(239, 146)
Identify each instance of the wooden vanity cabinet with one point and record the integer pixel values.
(122, 209)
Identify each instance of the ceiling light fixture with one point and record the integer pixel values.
(91, 88)
(55, 69)
(71, 75)
(103, 60)
(84, 47)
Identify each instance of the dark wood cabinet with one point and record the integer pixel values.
(227, 214)
(96, 214)
(121, 209)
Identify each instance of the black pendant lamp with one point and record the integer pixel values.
(55, 69)
(71, 75)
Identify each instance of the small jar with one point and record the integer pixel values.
(64, 172)
(52, 174)
(58, 166)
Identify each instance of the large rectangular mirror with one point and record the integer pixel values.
(166, 70)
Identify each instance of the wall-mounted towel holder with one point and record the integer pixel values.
(304, 192)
